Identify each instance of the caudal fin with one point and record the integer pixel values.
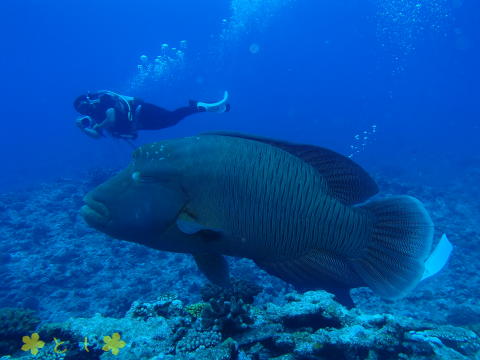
(394, 259)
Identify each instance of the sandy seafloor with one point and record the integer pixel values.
(53, 264)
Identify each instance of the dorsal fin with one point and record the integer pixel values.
(346, 180)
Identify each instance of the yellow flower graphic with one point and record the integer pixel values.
(113, 343)
(32, 343)
(58, 342)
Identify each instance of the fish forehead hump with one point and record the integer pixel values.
(164, 161)
(205, 155)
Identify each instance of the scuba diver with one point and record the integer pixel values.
(122, 116)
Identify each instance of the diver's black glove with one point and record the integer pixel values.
(87, 125)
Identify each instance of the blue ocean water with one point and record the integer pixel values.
(392, 83)
(323, 73)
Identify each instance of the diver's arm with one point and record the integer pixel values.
(92, 133)
(109, 120)
(89, 131)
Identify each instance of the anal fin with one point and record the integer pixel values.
(317, 270)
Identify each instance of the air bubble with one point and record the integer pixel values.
(401, 23)
(163, 68)
(254, 48)
(360, 142)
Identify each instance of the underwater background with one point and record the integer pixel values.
(392, 83)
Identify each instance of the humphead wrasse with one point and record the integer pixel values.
(298, 211)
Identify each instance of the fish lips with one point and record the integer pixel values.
(95, 213)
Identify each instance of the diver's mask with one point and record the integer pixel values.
(86, 104)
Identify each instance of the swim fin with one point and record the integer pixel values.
(218, 107)
(438, 258)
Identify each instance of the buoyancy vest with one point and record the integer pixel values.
(125, 109)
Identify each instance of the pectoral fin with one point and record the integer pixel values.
(214, 267)
(189, 225)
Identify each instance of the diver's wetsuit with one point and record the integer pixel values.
(133, 114)
(152, 117)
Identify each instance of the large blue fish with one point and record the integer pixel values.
(298, 211)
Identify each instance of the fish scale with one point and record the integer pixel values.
(293, 193)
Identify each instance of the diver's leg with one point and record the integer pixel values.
(152, 117)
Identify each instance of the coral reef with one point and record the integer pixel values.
(309, 326)
(228, 308)
(85, 286)
(15, 323)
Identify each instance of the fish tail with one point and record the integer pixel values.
(393, 259)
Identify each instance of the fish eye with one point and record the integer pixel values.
(136, 176)
(142, 178)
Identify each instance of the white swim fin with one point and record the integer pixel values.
(438, 258)
(218, 107)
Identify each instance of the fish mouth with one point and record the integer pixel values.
(95, 213)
